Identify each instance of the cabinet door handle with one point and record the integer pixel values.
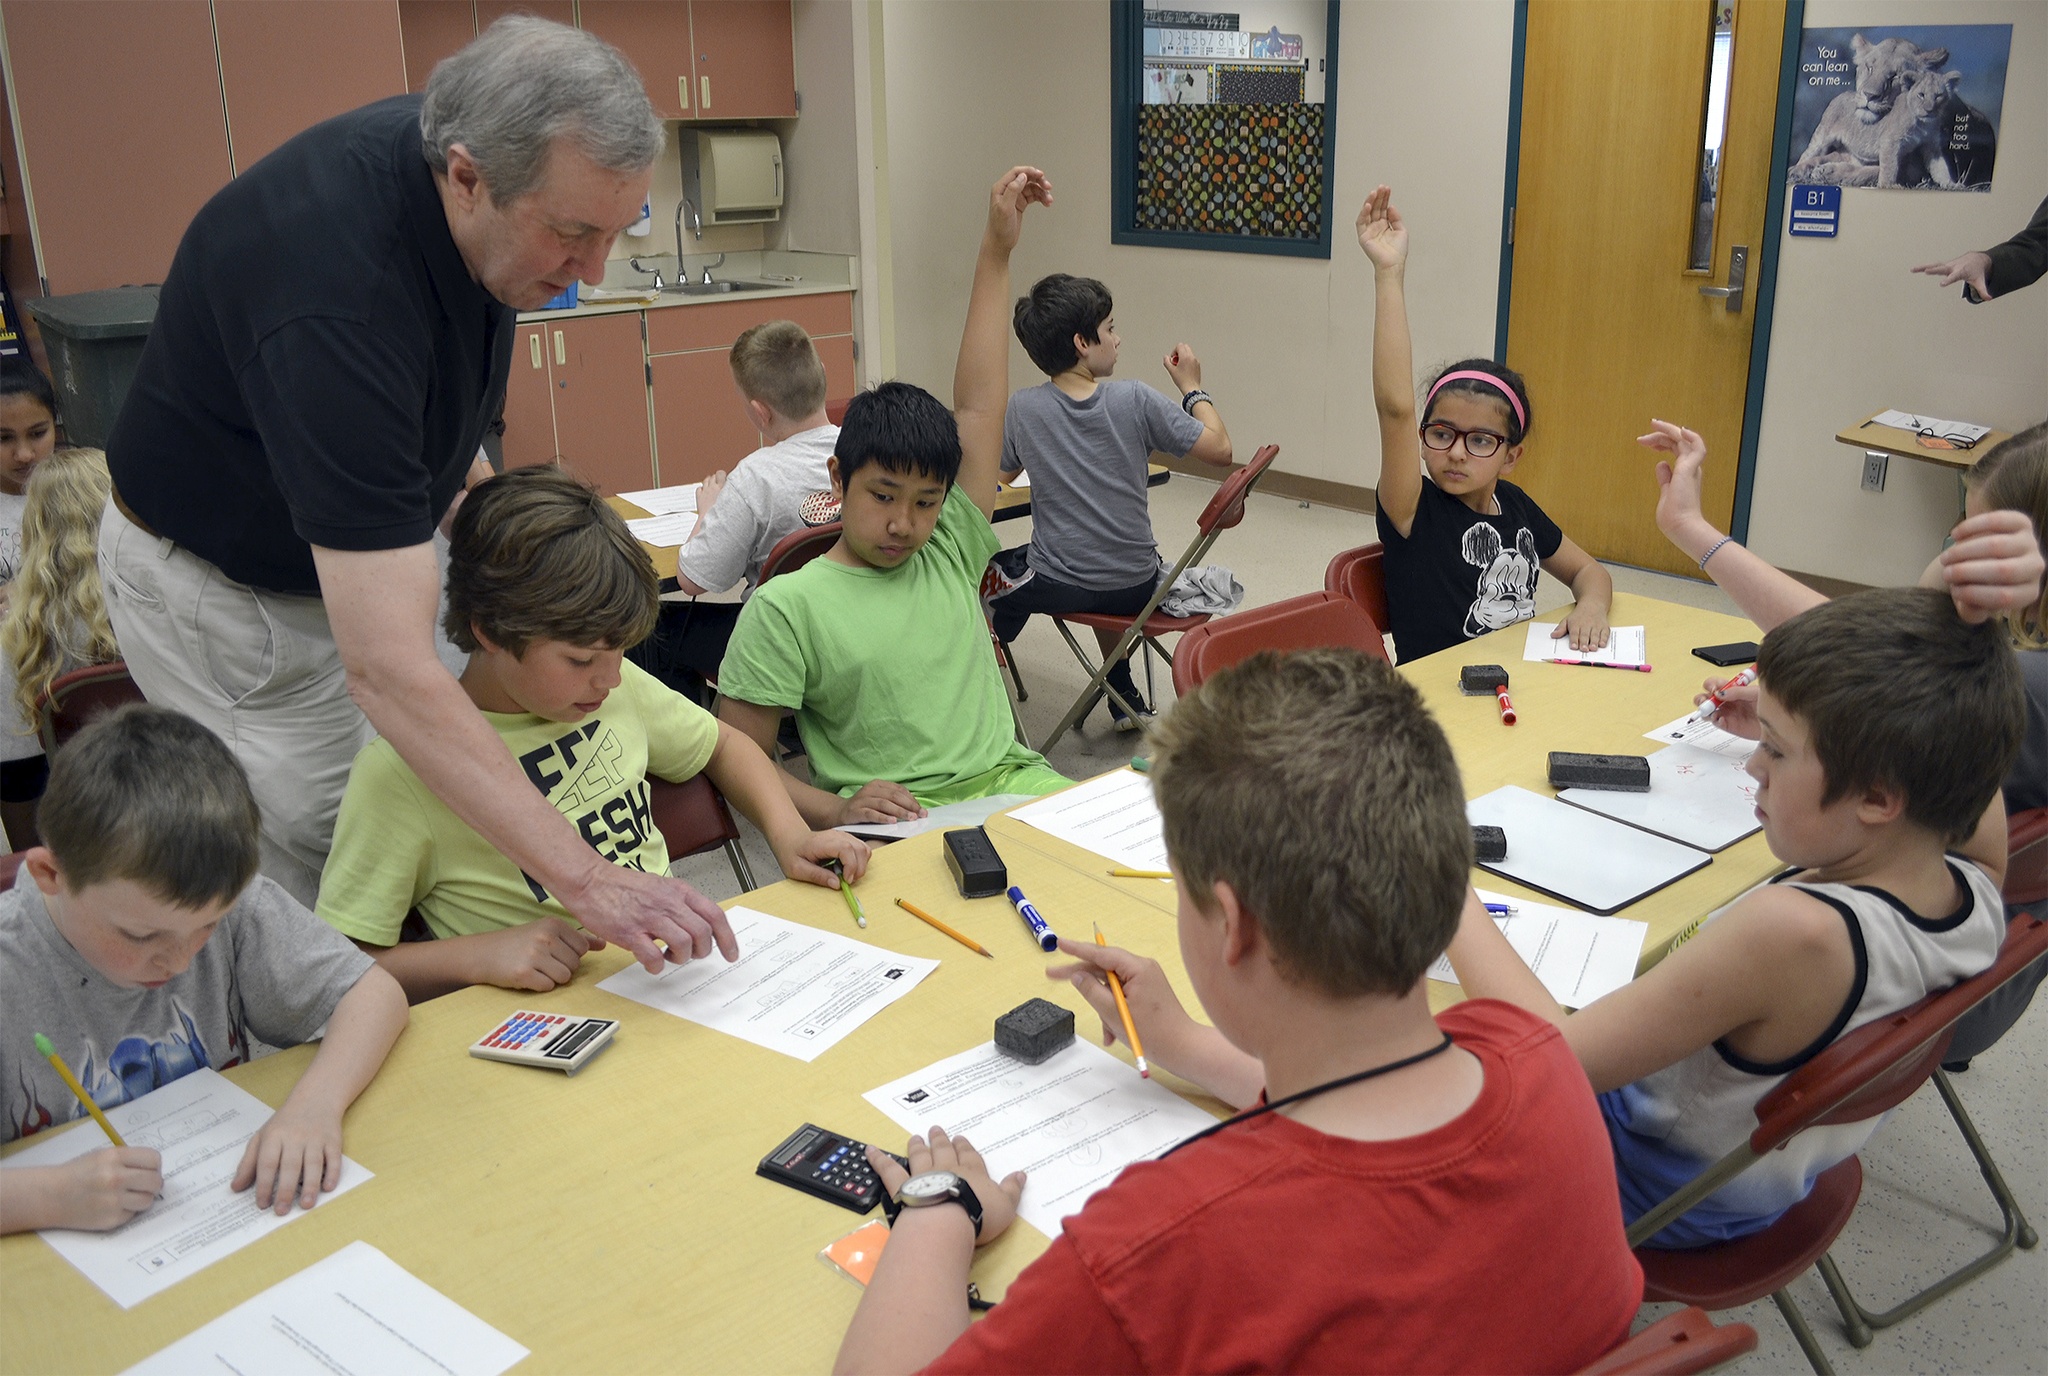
(561, 354)
(683, 94)
(533, 348)
(704, 87)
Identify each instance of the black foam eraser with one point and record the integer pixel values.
(976, 867)
(1489, 843)
(1616, 773)
(1034, 1031)
(1479, 680)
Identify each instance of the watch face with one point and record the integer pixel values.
(930, 1185)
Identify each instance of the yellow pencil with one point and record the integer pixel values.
(960, 937)
(1123, 1009)
(1141, 874)
(64, 1072)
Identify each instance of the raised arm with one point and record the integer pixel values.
(981, 379)
(1385, 240)
(1186, 371)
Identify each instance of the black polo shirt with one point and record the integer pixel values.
(322, 365)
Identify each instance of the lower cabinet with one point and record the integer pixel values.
(600, 371)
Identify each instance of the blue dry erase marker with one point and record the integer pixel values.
(1500, 910)
(1039, 930)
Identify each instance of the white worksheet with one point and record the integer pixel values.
(664, 531)
(1071, 1122)
(200, 1123)
(1021, 478)
(1704, 735)
(665, 501)
(357, 1313)
(1113, 815)
(1579, 856)
(1626, 645)
(794, 989)
(948, 817)
(1696, 796)
(1578, 956)
(1918, 421)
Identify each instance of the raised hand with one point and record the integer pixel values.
(1678, 478)
(1184, 368)
(1014, 190)
(1381, 232)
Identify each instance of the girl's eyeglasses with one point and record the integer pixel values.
(1442, 437)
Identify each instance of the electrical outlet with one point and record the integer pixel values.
(1873, 470)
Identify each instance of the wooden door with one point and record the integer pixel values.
(530, 401)
(699, 422)
(744, 58)
(121, 131)
(655, 37)
(1606, 317)
(600, 373)
(432, 30)
(285, 68)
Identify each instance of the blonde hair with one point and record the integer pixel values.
(57, 614)
(776, 364)
(2014, 477)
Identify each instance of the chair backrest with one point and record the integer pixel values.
(1226, 508)
(1361, 575)
(798, 548)
(1306, 622)
(691, 816)
(76, 698)
(1883, 1063)
(835, 411)
(2026, 857)
(1676, 1345)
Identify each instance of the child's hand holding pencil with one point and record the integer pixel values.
(1156, 1018)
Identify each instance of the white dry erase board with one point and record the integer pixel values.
(1586, 859)
(1696, 796)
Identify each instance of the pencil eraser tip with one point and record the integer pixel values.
(43, 1045)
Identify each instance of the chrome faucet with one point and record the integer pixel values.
(634, 263)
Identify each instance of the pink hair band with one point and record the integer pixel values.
(1469, 374)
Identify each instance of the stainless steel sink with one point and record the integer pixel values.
(719, 288)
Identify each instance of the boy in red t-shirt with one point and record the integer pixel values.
(1406, 1193)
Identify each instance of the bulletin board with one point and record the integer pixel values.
(1223, 132)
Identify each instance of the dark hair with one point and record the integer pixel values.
(1899, 692)
(151, 796)
(20, 377)
(1465, 386)
(1058, 308)
(902, 428)
(537, 555)
(1318, 786)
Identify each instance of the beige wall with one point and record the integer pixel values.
(1855, 333)
(1285, 342)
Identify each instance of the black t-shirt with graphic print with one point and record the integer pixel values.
(1458, 574)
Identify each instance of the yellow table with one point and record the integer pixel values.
(612, 1222)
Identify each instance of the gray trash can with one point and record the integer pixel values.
(95, 341)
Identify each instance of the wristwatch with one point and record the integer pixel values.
(937, 1187)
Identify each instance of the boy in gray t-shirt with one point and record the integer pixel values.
(1085, 442)
(141, 941)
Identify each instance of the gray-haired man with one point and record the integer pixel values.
(334, 335)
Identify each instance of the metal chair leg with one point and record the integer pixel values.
(1098, 685)
(1801, 1334)
(740, 869)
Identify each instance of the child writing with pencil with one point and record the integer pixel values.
(140, 944)
(1463, 544)
(1389, 1166)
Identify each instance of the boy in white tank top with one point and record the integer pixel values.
(1883, 726)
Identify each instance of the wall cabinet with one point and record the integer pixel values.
(705, 59)
(655, 37)
(273, 93)
(530, 401)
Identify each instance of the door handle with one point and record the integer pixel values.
(533, 348)
(704, 89)
(1738, 276)
(561, 354)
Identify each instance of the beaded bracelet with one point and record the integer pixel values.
(1188, 400)
(1724, 540)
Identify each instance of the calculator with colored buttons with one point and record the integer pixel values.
(552, 1041)
(826, 1165)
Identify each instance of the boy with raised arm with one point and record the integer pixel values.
(1383, 1202)
(881, 647)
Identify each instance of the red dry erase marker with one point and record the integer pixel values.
(1507, 709)
(1719, 697)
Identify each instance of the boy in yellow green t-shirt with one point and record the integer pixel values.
(547, 590)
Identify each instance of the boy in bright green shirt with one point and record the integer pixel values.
(881, 646)
(546, 589)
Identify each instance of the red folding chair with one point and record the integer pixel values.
(2026, 852)
(75, 698)
(1307, 622)
(1224, 510)
(1676, 1345)
(798, 548)
(1871, 1070)
(692, 818)
(10, 866)
(1361, 575)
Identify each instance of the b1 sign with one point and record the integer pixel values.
(1816, 212)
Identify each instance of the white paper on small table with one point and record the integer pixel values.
(1626, 645)
(1113, 815)
(1703, 735)
(664, 531)
(1696, 796)
(948, 817)
(1578, 956)
(665, 501)
(358, 1311)
(1072, 1122)
(200, 1124)
(1569, 853)
(794, 989)
(1918, 422)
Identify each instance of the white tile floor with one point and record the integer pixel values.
(1924, 1207)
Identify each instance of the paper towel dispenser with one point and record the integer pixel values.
(733, 176)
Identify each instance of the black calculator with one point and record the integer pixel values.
(827, 1165)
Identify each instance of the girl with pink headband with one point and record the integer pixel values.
(1463, 545)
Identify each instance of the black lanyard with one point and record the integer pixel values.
(1323, 1088)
